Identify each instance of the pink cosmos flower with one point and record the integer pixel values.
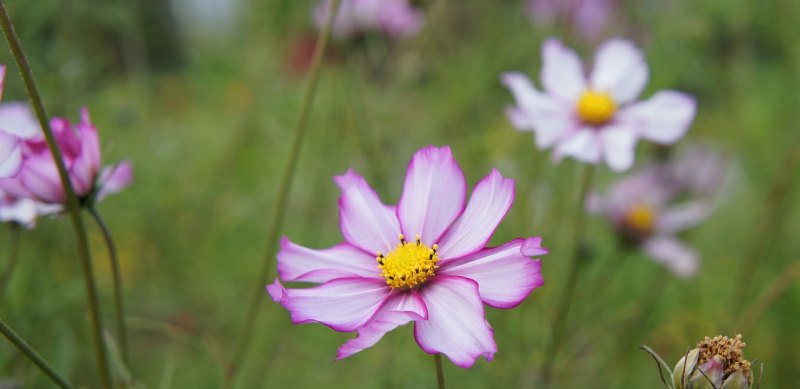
(38, 178)
(650, 207)
(587, 17)
(424, 261)
(10, 143)
(395, 18)
(596, 118)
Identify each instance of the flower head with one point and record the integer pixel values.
(395, 18)
(423, 261)
(596, 118)
(716, 363)
(651, 206)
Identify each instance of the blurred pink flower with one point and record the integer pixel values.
(650, 207)
(596, 118)
(439, 278)
(395, 18)
(10, 143)
(587, 17)
(38, 178)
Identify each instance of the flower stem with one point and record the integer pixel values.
(279, 213)
(29, 352)
(117, 279)
(778, 287)
(562, 309)
(13, 254)
(437, 360)
(72, 200)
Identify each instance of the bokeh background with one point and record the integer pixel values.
(203, 96)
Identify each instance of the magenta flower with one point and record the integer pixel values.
(424, 261)
(587, 17)
(395, 18)
(597, 118)
(650, 207)
(38, 178)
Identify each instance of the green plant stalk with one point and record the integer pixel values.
(73, 205)
(29, 352)
(777, 289)
(13, 254)
(437, 361)
(279, 213)
(562, 309)
(117, 279)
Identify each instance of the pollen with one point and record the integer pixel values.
(596, 108)
(642, 218)
(730, 349)
(409, 265)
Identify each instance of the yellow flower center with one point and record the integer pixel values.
(409, 265)
(596, 108)
(641, 217)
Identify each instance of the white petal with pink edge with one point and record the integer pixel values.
(365, 221)
(674, 254)
(505, 274)
(344, 304)
(298, 263)
(619, 69)
(664, 118)
(399, 309)
(562, 72)
(433, 194)
(456, 324)
(10, 155)
(490, 201)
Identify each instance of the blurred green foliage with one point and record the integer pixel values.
(207, 124)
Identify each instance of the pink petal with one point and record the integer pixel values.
(619, 69)
(549, 117)
(619, 143)
(664, 118)
(433, 194)
(297, 263)
(40, 177)
(114, 179)
(676, 256)
(400, 308)
(17, 118)
(505, 275)
(562, 72)
(365, 222)
(583, 145)
(10, 155)
(683, 216)
(456, 324)
(490, 201)
(344, 304)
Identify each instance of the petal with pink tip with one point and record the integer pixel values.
(490, 201)
(505, 275)
(619, 144)
(456, 324)
(674, 254)
(619, 69)
(344, 304)
(663, 118)
(10, 155)
(297, 263)
(365, 222)
(562, 72)
(114, 179)
(400, 308)
(433, 194)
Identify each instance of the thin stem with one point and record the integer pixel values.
(117, 279)
(29, 352)
(437, 360)
(562, 309)
(279, 213)
(778, 287)
(72, 200)
(13, 254)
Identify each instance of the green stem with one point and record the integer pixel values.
(117, 279)
(13, 254)
(437, 360)
(279, 213)
(29, 352)
(73, 205)
(562, 309)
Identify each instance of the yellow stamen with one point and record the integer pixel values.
(409, 265)
(596, 108)
(641, 217)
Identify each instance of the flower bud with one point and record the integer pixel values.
(708, 375)
(683, 370)
(737, 380)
